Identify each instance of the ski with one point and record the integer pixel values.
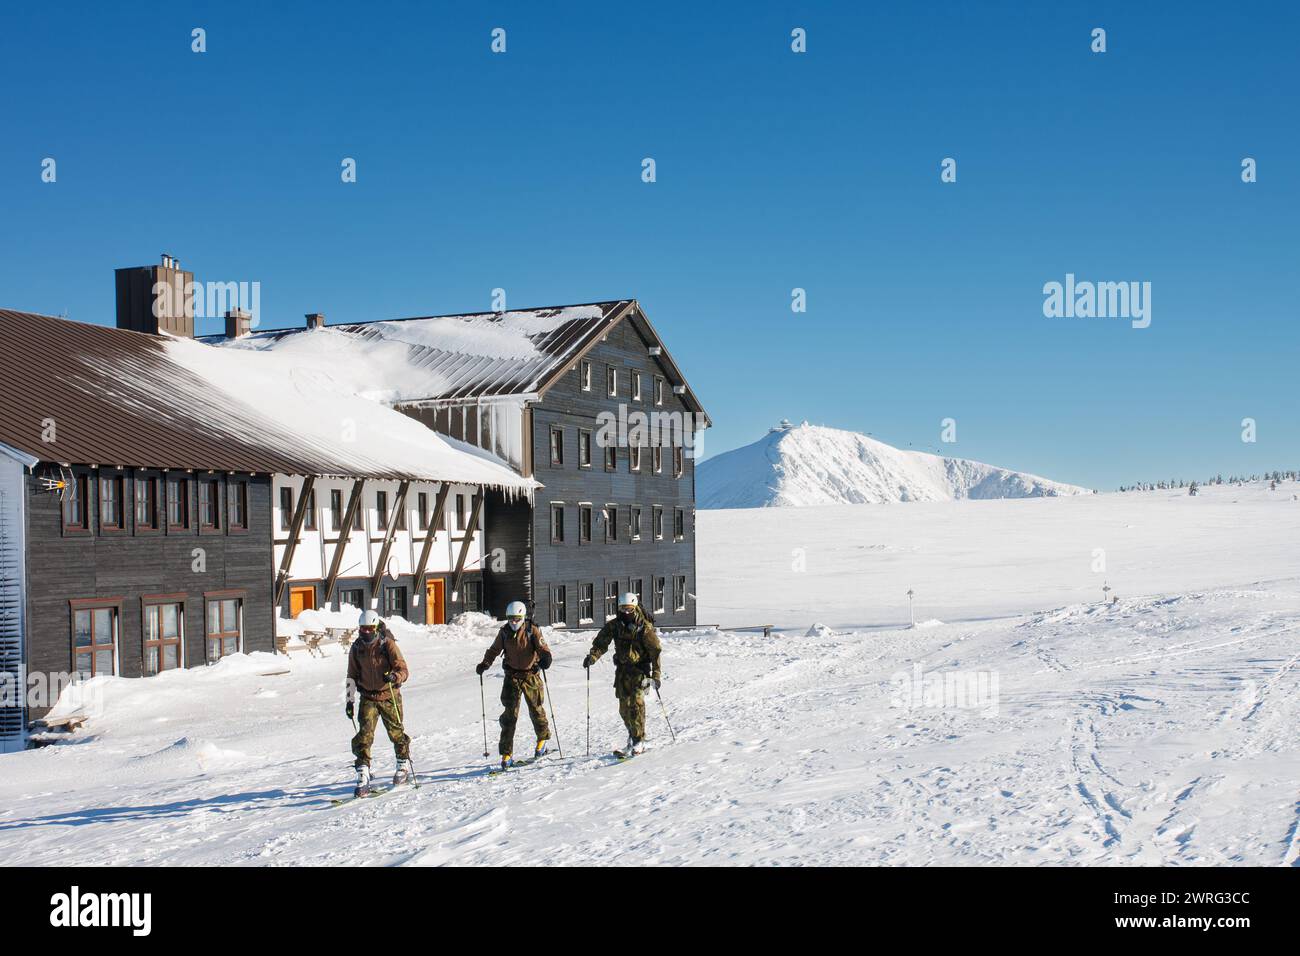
(498, 771)
(622, 755)
(374, 792)
(353, 798)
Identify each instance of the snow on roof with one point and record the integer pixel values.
(122, 398)
(447, 357)
(322, 416)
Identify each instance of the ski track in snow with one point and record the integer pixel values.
(1159, 730)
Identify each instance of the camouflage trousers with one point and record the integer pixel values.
(631, 701)
(528, 686)
(370, 713)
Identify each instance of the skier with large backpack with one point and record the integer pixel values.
(376, 672)
(525, 654)
(636, 664)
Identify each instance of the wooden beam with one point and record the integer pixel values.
(465, 542)
(345, 535)
(295, 532)
(389, 533)
(435, 524)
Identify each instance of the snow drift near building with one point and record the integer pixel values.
(803, 465)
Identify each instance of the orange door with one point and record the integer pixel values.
(435, 611)
(301, 599)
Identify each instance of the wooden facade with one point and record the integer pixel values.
(622, 560)
(138, 571)
(568, 578)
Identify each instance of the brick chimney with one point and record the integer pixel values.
(156, 299)
(315, 320)
(238, 323)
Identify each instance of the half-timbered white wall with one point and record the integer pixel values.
(13, 689)
(315, 550)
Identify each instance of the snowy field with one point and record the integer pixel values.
(1160, 729)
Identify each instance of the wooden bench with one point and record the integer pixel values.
(312, 639)
(67, 724)
(343, 636)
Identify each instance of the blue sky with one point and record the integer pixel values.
(775, 170)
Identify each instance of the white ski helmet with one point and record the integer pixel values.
(628, 599)
(368, 619)
(516, 609)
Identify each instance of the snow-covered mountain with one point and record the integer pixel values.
(801, 465)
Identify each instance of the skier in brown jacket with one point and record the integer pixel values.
(376, 671)
(526, 652)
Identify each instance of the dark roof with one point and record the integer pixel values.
(469, 374)
(71, 376)
(115, 398)
(449, 363)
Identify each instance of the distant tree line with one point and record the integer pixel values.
(1274, 478)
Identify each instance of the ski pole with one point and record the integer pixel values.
(483, 706)
(554, 725)
(665, 712)
(397, 702)
(588, 670)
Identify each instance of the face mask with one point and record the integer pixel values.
(516, 625)
(627, 617)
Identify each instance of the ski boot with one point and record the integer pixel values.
(540, 749)
(506, 762)
(638, 747)
(403, 774)
(363, 782)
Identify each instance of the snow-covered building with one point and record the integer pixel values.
(583, 398)
(143, 480)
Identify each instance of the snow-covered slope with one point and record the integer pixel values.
(1156, 730)
(802, 465)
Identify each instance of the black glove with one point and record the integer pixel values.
(657, 682)
(479, 668)
(390, 678)
(349, 710)
(544, 659)
(587, 661)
